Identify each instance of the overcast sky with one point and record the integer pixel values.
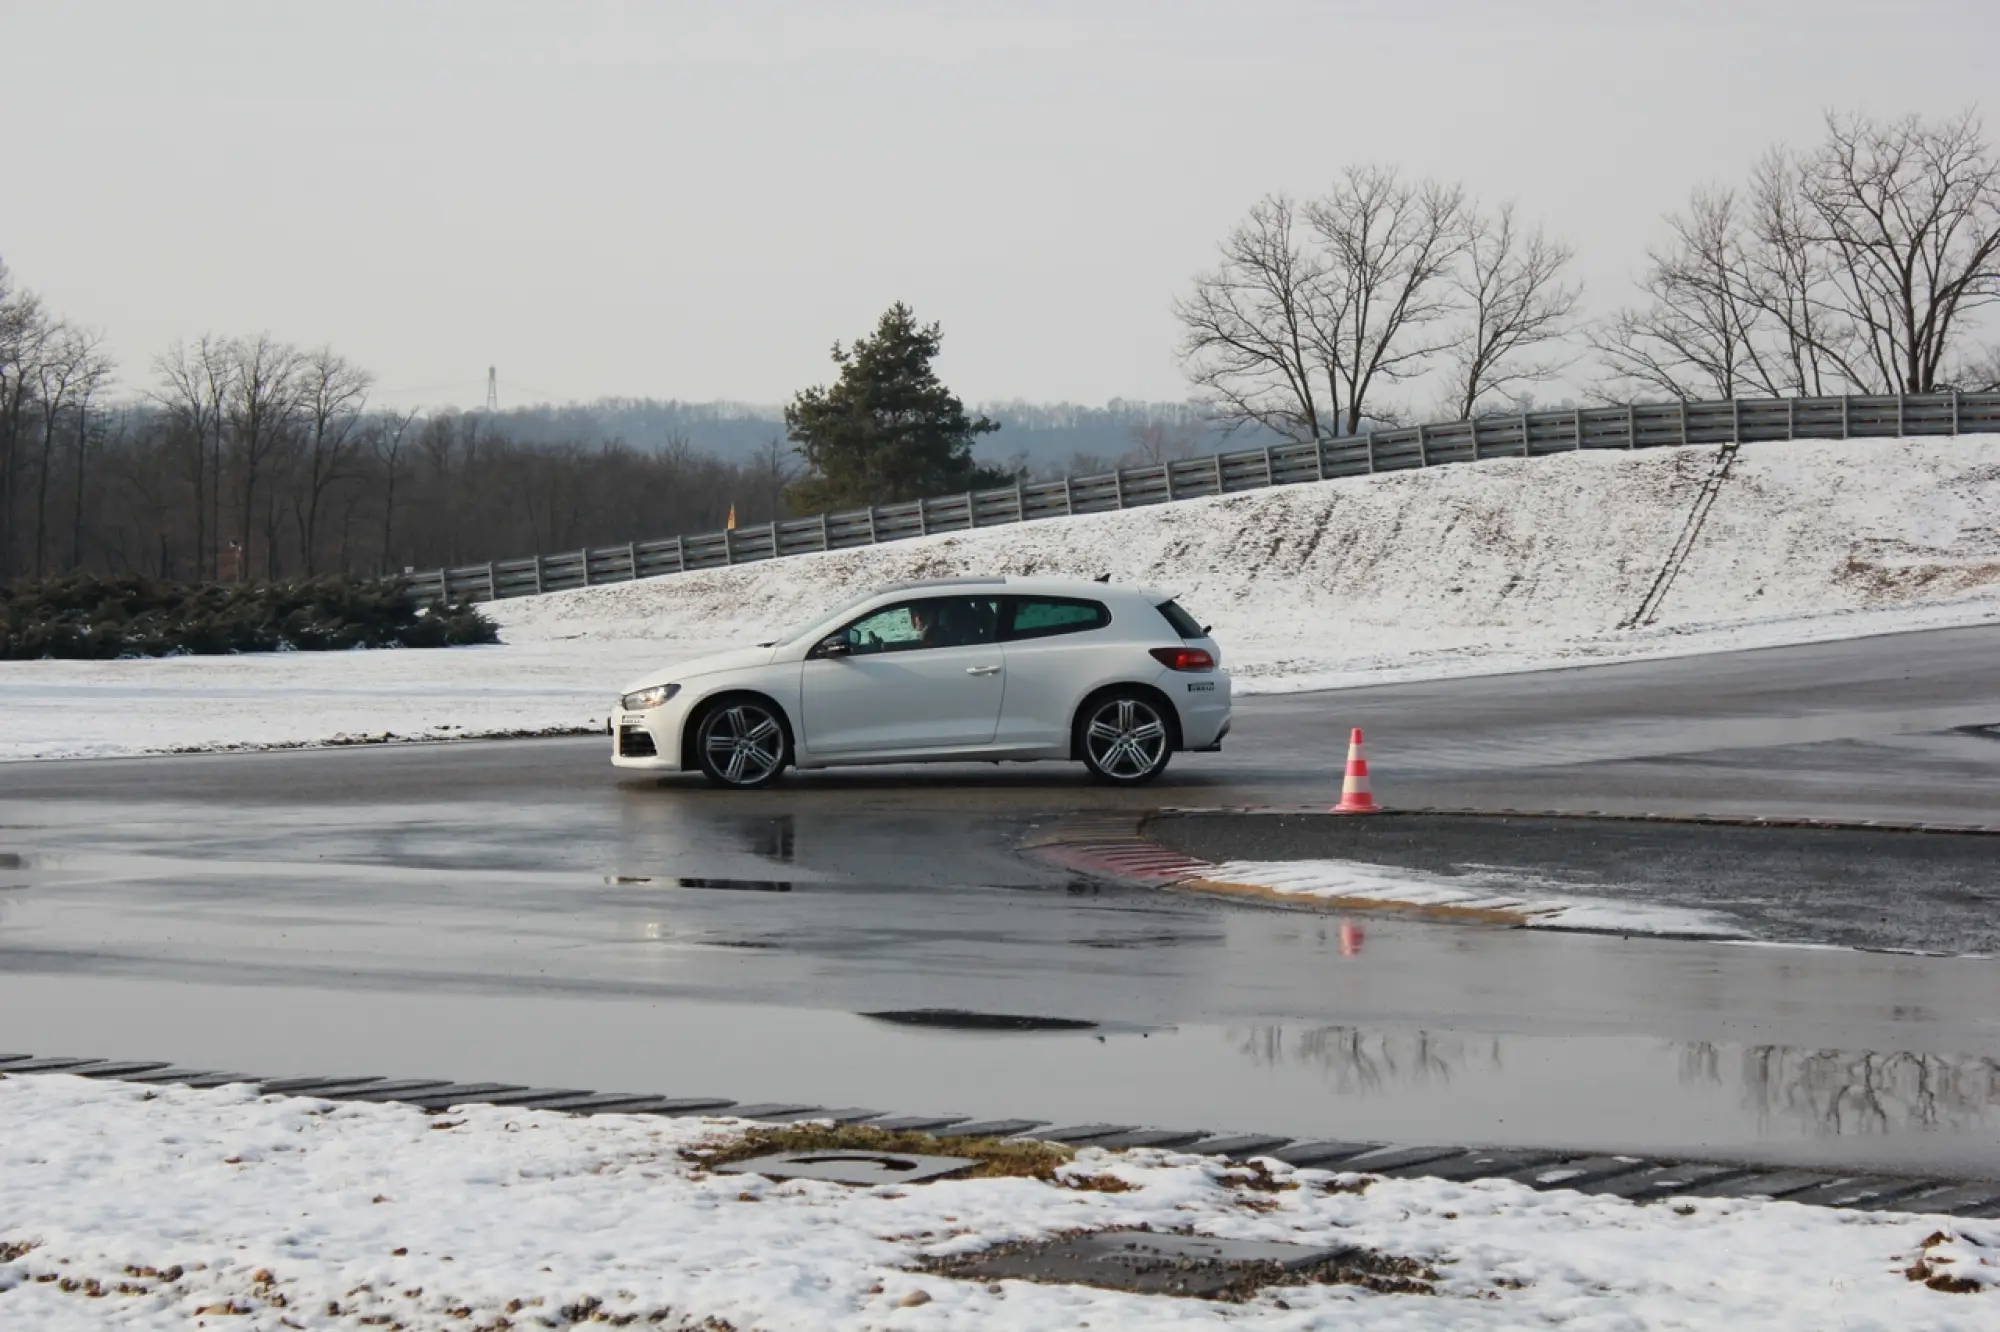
(694, 200)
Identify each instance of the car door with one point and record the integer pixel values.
(923, 674)
(1053, 653)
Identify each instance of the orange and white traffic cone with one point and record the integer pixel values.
(1355, 797)
(1350, 939)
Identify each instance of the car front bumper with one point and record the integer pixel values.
(649, 740)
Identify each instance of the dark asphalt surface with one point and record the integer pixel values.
(516, 911)
(1926, 891)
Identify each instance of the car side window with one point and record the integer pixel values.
(933, 622)
(1045, 617)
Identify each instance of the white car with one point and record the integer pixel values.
(955, 670)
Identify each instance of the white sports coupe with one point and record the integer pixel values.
(953, 670)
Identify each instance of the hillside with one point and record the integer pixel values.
(1469, 567)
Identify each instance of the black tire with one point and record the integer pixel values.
(742, 743)
(1125, 737)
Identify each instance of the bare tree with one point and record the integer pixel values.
(1316, 305)
(24, 333)
(72, 362)
(385, 442)
(1517, 308)
(1855, 267)
(334, 393)
(194, 389)
(1694, 339)
(1910, 213)
(266, 397)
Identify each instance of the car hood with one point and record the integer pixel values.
(733, 660)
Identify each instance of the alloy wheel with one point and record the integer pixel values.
(1126, 740)
(743, 744)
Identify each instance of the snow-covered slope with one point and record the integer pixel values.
(1473, 567)
(1496, 566)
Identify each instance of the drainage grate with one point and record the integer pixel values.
(849, 1167)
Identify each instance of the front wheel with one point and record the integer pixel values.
(742, 743)
(1125, 739)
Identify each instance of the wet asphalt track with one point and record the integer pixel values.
(516, 911)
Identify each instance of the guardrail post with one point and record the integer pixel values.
(586, 566)
(1901, 400)
(1791, 418)
(1631, 426)
(971, 512)
(1167, 475)
(1846, 414)
(923, 519)
(824, 542)
(680, 555)
(1118, 485)
(775, 552)
(538, 575)
(1576, 424)
(873, 539)
(1321, 450)
(1684, 420)
(1954, 411)
(1270, 477)
(632, 559)
(1069, 497)
(1423, 446)
(1735, 420)
(1217, 462)
(1020, 503)
(1527, 437)
(492, 583)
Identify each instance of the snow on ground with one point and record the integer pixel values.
(1512, 564)
(1508, 898)
(122, 1207)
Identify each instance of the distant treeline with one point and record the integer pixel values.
(1035, 437)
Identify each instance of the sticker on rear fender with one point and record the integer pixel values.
(1201, 686)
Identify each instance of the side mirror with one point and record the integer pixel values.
(833, 645)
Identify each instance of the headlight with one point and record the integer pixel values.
(648, 698)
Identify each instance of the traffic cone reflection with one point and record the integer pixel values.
(1355, 796)
(1350, 939)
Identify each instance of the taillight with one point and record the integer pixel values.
(1184, 659)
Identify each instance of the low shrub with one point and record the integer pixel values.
(88, 617)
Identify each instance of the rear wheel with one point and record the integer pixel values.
(742, 743)
(1124, 738)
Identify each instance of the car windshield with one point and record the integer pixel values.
(804, 627)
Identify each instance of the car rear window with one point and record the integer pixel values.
(1042, 617)
(1184, 624)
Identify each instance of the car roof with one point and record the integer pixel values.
(1033, 583)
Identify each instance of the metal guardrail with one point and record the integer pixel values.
(1536, 434)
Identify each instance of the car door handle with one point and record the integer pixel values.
(982, 670)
